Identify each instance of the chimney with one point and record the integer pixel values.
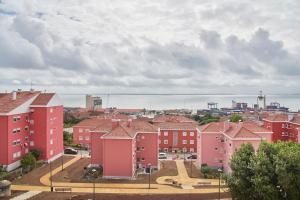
(129, 122)
(226, 125)
(14, 95)
(115, 123)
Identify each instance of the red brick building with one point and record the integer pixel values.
(177, 133)
(285, 127)
(30, 120)
(122, 147)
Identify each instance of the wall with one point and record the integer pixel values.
(149, 142)
(117, 158)
(97, 148)
(85, 134)
(3, 140)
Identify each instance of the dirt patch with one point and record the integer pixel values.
(192, 170)
(63, 196)
(75, 173)
(33, 177)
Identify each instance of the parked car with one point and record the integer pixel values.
(162, 155)
(194, 156)
(70, 151)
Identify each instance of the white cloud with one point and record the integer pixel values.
(149, 46)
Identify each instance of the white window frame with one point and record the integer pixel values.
(192, 142)
(184, 133)
(166, 133)
(192, 133)
(166, 141)
(184, 141)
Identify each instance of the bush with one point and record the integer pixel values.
(236, 118)
(36, 153)
(28, 162)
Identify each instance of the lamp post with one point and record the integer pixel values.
(62, 162)
(148, 170)
(220, 171)
(51, 183)
(191, 166)
(94, 183)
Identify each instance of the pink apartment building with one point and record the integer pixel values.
(177, 133)
(218, 141)
(122, 146)
(30, 120)
(81, 131)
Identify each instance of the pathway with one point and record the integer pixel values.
(26, 195)
(161, 188)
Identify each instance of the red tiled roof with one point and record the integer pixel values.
(235, 130)
(277, 117)
(296, 119)
(174, 125)
(93, 122)
(173, 118)
(7, 104)
(43, 99)
(122, 129)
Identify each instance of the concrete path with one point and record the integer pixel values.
(184, 178)
(161, 188)
(26, 195)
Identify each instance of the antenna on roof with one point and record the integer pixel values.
(31, 89)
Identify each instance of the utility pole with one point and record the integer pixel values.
(51, 183)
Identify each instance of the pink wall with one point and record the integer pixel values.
(97, 148)
(211, 149)
(118, 157)
(149, 152)
(180, 144)
(85, 134)
(3, 141)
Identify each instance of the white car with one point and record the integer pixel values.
(162, 156)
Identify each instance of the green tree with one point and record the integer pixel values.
(239, 182)
(271, 174)
(2, 172)
(36, 153)
(28, 162)
(236, 118)
(68, 138)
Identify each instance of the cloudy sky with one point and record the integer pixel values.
(157, 46)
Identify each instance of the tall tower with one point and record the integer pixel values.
(261, 100)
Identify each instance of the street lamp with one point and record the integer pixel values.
(94, 183)
(191, 166)
(220, 171)
(62, 162)
(148, 170)
(51, 183)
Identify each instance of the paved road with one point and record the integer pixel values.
(160, 188)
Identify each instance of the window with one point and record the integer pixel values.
(192, 150)
(18, 130)
(16, 154)
(158, 133)
(31, 132)
(216, 148)
(87, 130)
(26, 128)
(80, 130)
(51, 141)
(191, 141)
(51, 110)
(87, 138)
(184, 142)
(51, 152)
(166, 149)
(80, 138)
(165, 141)
(166, 133)
(16, 142)
(26, 138)
(27, 118)
(183, 133)
(51, 131)
(31, 143)
(32, 121)
(184, 150)
(17, 118)
(192, 133)
(26, 150)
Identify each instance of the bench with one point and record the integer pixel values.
(63, 189)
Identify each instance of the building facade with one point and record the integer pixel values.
(122, 147)
(218, 141)
(93, 103)
(285, 127)
(30, 120)
(177, 133)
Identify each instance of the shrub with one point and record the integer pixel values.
(28, 162)
(36, 153)
(236, 118)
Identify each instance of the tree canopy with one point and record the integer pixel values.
(272, 173)
(236, 118)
